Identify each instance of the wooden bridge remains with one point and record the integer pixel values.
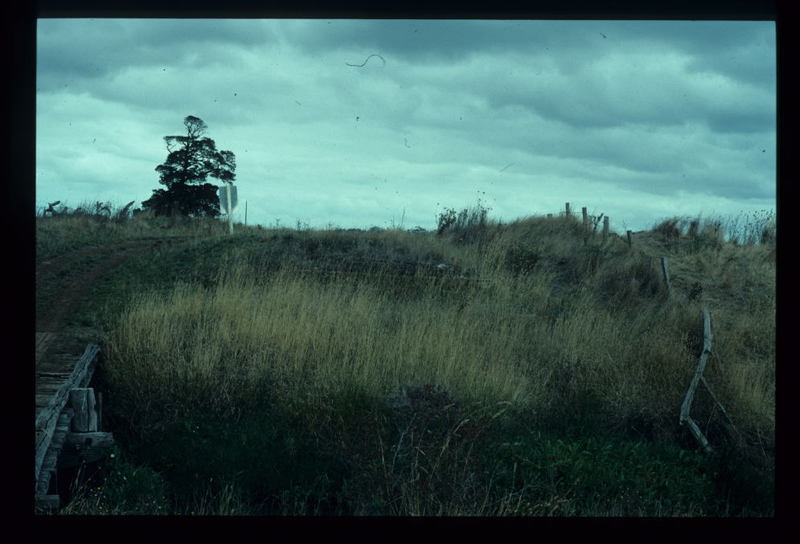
(68, 419)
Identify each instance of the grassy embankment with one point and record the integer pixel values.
(249, 374)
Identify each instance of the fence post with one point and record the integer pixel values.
(605, 228)
(630, 239)
(665, 272)
(698, 377)
(585, 218)
(567, 208)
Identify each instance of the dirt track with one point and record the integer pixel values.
(51, 335)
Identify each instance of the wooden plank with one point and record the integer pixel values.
(50, 461)
(51, 383)
(42, 400)
(49, 365)
(47, 418)
(80, 374)
(48, 389)
(85, 448)
(43, 341)
(56, 375)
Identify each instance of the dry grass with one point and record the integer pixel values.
(560, 322)
(535, 317)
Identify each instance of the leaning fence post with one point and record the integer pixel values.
(698, 376)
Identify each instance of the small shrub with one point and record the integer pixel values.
(669, 229)
(467, 226)
(445, 220)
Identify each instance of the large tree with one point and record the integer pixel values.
(191, 160)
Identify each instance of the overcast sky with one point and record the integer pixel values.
(360, 123)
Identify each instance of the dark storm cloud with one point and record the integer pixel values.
(740, 50)
(420, 40)
(713, 44)
(75, 52)
(185, 32)
(589, 103)
(588, 73)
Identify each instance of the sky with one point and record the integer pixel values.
(354, 123)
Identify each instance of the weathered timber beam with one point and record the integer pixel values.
(50, 462)
(85, 448)
(701, 366)
(698, 434)
(83, 403)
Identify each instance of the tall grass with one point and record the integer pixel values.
(301, 336)
(532, 319)
(305, 338)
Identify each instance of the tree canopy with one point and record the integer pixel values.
(192, 159)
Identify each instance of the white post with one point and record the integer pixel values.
(230, 208)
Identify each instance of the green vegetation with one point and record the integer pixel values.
(538, 372)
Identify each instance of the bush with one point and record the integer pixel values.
(467, 226)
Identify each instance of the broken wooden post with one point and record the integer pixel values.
(83, 403)
(698, 376)
(665, 273)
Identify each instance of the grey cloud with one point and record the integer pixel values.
(589, 100)
(79, 52)
(183, 32)
(746, 119)
(741, 50)
(426, 40)
(754, 65)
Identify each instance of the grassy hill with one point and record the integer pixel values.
(487, 368)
